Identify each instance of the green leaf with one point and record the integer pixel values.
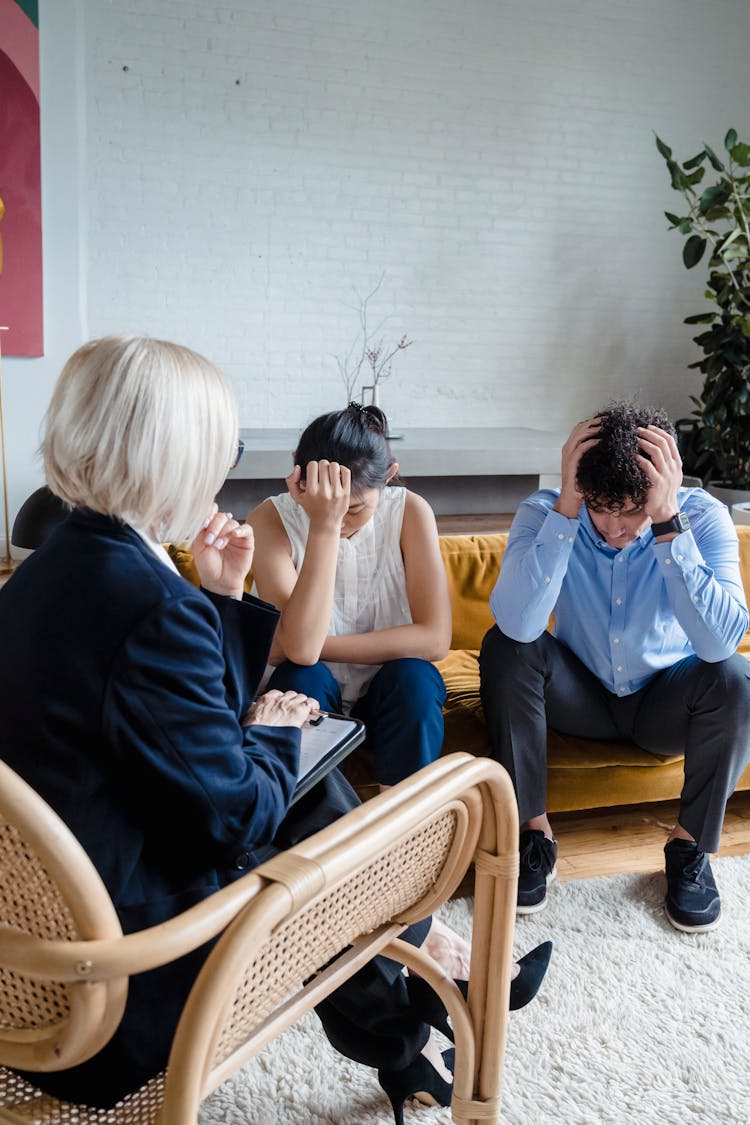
(741, 154)
(733, 253)
(694, 161)
(714, 196)
(699, 318)
(715, 213)
(696, 177)
(679, 179)
(730, 140)
(665, 151)
(685, 226)
(715, 162)
(693, 250)
(675, 220)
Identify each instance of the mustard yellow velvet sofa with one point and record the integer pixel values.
(583, 773)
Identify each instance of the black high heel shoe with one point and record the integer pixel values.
(419, 1076)
(523, 988)
(531, 971)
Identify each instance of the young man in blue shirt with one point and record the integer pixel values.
(642, 578)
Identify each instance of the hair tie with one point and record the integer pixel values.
(372, 417)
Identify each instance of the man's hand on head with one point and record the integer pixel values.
(583, 436)
(663, 467)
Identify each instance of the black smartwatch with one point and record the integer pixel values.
(678, 523)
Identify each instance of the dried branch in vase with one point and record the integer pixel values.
(366, 352)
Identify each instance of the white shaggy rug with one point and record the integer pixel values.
(636, 1024)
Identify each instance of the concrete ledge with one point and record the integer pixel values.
(454, 452)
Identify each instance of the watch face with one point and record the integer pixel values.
(682, 520)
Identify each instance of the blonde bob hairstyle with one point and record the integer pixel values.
(140, 430)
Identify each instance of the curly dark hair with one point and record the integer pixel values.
(609, 475)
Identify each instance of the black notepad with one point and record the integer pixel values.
(324, 745)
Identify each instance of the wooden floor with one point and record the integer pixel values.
(631, 838)
(483, 524)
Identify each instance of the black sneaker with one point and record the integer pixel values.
(538, 858)
(692, 903)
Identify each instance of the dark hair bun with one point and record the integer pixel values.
(371, 416)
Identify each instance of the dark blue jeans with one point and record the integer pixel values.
(402, 710)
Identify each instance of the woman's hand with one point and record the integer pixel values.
(280, 709)
(223, 553)
(324, 494)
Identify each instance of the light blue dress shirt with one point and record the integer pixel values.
(626, 614)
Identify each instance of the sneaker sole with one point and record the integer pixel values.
(700, 929)
(539, 905)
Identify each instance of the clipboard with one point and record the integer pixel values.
(323, 745)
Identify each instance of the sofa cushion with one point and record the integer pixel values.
(183, 559)
(472, 563)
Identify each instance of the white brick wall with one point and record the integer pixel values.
(251, 163)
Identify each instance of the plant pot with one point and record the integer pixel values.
(729, 496)
(741, 513)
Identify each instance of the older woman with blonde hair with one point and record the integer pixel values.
(127, 698)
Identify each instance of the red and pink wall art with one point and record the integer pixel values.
(20, 180)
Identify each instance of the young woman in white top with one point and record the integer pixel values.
(351, 558)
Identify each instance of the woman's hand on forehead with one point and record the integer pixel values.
(324, 494)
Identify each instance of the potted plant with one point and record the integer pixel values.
(716, 218)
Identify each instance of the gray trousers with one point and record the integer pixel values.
(695, 708)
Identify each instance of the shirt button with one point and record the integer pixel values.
(615, 640)
(680, 558)
(548, 579)
(620, 559)
(696, 598)
(621, 689)
(668, 562)
(242, 862)
(560, 535)
(618, 601)
(570, 538)
(619, 668)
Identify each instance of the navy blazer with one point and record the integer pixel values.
(122, 689)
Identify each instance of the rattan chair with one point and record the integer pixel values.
(353, 887)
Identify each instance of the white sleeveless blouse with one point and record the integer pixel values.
(370, 590)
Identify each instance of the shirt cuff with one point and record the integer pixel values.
(679, 555)
(557, 530)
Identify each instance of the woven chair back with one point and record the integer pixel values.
(314, 915)
(50, 892)
(321, 902)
